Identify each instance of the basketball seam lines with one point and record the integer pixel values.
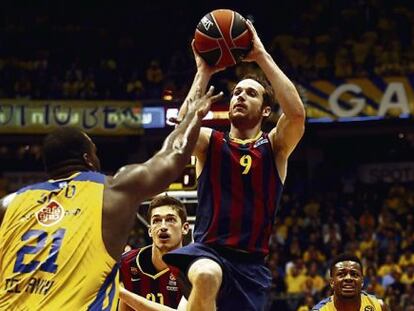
(240, 35)
(207, 36)
(224, 39)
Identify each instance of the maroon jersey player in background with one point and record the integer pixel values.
(142, 270)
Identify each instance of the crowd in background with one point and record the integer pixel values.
(373, 222)
(137, 57)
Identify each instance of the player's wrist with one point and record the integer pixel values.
(205, 72)
(262, 56)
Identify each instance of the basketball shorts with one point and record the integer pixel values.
(246, 280)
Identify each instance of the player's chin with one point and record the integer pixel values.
(164, 241)
(348, 294)
(238, 116)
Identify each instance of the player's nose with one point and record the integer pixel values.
(240, 97)
(164, 225)
(348, 277)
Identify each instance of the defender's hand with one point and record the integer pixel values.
(201, 103)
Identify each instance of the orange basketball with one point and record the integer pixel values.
(222, 38)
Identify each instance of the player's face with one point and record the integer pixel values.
(347, 280)
(166, 228)
(246, 103)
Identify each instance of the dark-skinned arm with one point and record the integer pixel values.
(141, 181)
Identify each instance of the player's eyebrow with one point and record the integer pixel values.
(247, 89)
(168, 215)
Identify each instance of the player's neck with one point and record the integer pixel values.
(243, 135)
(67, 171)
(347, 304)
(157, 261)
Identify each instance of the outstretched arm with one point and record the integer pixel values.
(291, 125)
(140, 181)
(137, 302)
(134, 183)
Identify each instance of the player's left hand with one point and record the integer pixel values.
(202, 66)
(258, 49)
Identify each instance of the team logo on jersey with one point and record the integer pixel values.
(369, 308)
(134, 270)
(50, 214)
(172, 283)
(261, 141)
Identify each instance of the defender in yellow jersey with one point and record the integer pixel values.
(346, 283)
(60, 240)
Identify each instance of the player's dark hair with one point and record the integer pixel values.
(163, 200)
(344, 257)
(63, 147)
(268, 95)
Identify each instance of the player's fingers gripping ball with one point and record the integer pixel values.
(222, 38)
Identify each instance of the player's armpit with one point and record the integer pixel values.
(4, 203)
(202, 143)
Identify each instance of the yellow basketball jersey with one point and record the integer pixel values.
(368, 303)
(52, 255)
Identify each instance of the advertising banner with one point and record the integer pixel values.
(369, 98)
(95, 117)
(387, 172)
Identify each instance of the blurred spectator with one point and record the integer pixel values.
(313, 254)
(388, 265)
(406, 259)
(314, 282)
(307, 304)
(408, 275)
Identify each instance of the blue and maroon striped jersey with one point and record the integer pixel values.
(140, 277)
(238, 193)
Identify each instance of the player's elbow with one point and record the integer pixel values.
(298, 114)
(297, 117)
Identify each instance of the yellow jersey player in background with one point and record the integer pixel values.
(346, 283)
(60, 240)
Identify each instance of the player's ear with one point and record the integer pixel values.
(87, 160)
(266, 111)
(185, 228)
(331, 282)
(149, 232)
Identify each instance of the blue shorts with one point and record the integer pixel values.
(246, 279)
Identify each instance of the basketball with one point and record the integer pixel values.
(222, 38)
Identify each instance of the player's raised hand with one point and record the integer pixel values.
(258, 48)
(202, 66)
(201, 103)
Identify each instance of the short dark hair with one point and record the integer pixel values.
(268, 95)
(344, 257)
(163, 200)
(65, 146)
